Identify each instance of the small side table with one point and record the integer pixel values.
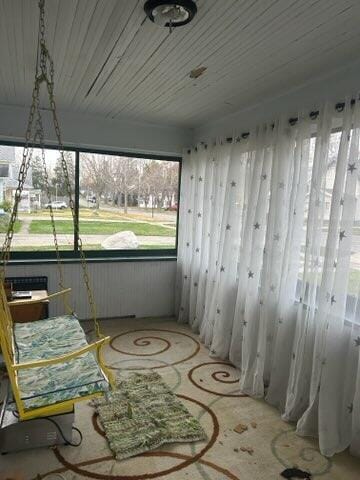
(29, 313)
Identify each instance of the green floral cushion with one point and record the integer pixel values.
(52, 338)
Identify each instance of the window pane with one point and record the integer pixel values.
(33, 228)
(354, 279)
(326, 199)
(127, 203)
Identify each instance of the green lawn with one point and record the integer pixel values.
(354, 282)
(156, 247)
(101, 228)
(4, 222)
(49, 248)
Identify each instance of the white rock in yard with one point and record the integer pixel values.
(121, 241)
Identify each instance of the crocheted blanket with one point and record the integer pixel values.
(142, 414)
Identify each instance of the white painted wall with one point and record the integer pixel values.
(144, 289)
(334, 87)
(97, 132)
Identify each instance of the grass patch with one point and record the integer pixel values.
(41, 248)
(51, 248)
(4, 223)
(114, 214)
(156, 247)
(101, 228)
(354, 282)
(353, 285)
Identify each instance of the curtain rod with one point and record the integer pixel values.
(339, 107)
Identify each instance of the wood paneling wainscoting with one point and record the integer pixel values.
(143, 289)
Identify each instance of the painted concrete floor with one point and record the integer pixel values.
(209, 389)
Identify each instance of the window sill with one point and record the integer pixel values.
(36, 258)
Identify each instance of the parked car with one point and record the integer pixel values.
(57, 205)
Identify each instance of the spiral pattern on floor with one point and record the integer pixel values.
(246, 437)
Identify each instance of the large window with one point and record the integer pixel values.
(127, 203)
(327, 199)
(122, 203)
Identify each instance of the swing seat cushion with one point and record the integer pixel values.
(51, 338)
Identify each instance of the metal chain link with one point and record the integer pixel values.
(45, 74)
(24, 167)
(50, 88)
(39, 134)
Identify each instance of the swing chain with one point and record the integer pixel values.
(24, 167)
(45, 73)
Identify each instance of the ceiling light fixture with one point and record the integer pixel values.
(170, 13)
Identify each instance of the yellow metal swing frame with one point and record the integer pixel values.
(8, 351)
(35, 135)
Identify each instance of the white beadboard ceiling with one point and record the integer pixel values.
(113, 62)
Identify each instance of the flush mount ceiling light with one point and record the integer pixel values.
(170, 13)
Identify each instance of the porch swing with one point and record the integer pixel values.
(49, 362)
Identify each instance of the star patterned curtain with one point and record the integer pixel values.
(269, 266)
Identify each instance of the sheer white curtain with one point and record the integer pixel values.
(269, 266)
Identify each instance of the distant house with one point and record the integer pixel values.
(9, 168)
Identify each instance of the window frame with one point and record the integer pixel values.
(73, 256)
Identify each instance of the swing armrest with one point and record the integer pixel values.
(63, 358)
(30, 301)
